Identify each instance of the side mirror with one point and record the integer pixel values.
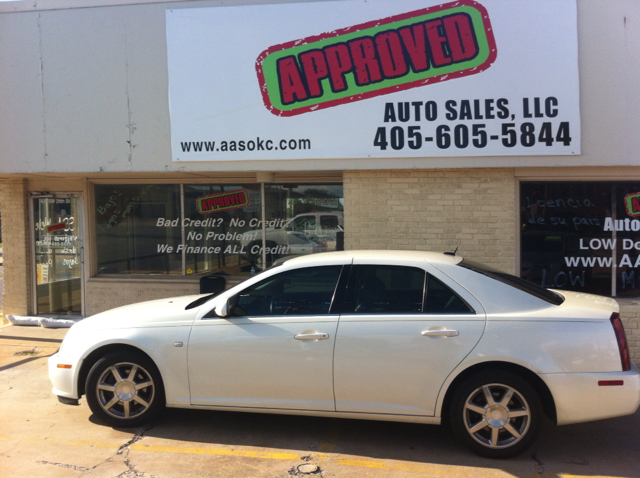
(225, 309)
(222, 310)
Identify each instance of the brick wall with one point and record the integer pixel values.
(431, 210)
(16, 255)
(103, 294)
(630, 313)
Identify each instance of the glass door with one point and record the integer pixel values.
(58, 247)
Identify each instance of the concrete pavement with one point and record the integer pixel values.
(41, 437)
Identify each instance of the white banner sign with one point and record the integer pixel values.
(374, 79)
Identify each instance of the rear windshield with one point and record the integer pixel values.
(513, 281)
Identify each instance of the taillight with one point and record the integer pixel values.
(623, 345)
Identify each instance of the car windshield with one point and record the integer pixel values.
(514, 281)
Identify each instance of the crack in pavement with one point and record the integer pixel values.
(133, 472)
(125, 449)
(539, 467)
(64, 465)
(136, 438)
(119, 459)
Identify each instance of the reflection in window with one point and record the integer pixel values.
(298, 292)
(302, 219)
(220, 227)
(581, 236)
(138, 229)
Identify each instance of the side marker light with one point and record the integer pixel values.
(607, 383)
(61, 365)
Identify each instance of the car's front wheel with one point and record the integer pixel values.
(124, 389)
(496, 414)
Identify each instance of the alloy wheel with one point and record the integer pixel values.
(496, 416)
(125, 390)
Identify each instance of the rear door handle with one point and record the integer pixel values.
(312, 336)
(440, 333)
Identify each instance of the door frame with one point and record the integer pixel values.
(32, 253)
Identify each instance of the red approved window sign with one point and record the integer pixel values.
(56, 227)
(222, 201)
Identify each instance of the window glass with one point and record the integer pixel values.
(329, 223)
(581, 236)
(297, 292)
(389, 289)
(57, 241)
(513, 281)
(138, 229)
(302, 219)
(222, 232)
(213, 228)
(442, 300)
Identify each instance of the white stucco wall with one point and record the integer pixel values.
(84, 89)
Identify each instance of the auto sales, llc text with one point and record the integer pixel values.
(493, 122)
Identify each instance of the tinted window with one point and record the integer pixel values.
(138, 228)
(441, 299)
(388, 289)
(329, 222)
(513, 281)
(297, 292)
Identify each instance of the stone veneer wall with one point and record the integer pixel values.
(630, 313)
(16, 298)
(105, 294)
(434, 210)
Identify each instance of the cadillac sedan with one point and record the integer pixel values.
(380, 335)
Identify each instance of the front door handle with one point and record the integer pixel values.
(440, 332)
(312, 336)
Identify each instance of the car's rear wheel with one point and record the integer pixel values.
(496, 414)
(124, 389)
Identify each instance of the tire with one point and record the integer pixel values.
(496, 414)
(259, 262)
(124, 389)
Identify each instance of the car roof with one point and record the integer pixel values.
(347, 256)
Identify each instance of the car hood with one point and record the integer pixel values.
(154, 313)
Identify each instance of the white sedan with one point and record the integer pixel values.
(382, 335)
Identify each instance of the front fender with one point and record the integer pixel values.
(166, 346)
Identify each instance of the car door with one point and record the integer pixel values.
(396, 345)
(277, 349)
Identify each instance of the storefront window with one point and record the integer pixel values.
(303, 219)
(138, 229)
(219, 224)
(204, 228)
(582, 236)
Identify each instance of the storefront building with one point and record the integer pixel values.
(148, 144)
